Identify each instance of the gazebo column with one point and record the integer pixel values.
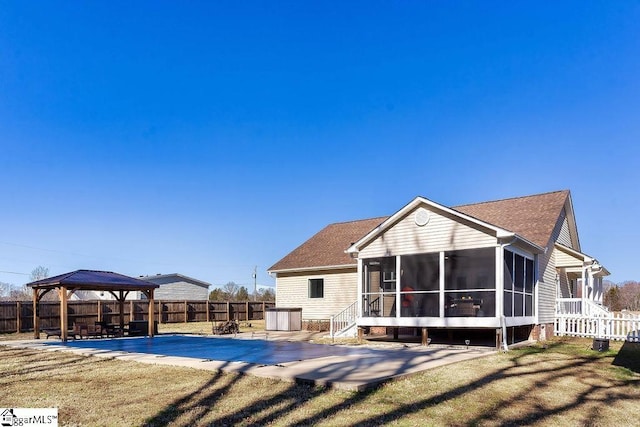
(36, 314)
(64, 321)
(151, 312)
(121, 309)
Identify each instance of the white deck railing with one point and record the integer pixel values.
(614, 326)
(580, 307)
(343, 320)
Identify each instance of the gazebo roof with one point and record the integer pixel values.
(93, 280)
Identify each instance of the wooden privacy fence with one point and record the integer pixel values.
(17, 316)
(615, 326)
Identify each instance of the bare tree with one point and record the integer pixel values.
(266, 294)
(39, 273)
(230, 290)
(5, 290)
(625, 296)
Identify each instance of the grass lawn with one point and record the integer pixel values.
(562, 383)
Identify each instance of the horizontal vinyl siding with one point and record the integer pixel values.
(564, 235)
(440, 234)
(181, 291)
(340, 290)
(565, 260)
(547, 288)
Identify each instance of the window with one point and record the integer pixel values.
(519, 281)
(316, 288)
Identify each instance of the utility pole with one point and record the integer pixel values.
(255, 286)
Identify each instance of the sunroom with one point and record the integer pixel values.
(433, 267)
(458, 288)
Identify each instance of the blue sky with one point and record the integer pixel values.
(207, 138)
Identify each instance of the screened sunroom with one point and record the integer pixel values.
(457, 288)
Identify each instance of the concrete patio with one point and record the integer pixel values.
(362, 369)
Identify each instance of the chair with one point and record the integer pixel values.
(80, 330)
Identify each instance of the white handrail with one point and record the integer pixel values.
(344, 319)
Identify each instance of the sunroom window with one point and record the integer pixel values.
(470, 283)
(420, 285)
(379, 287)
(519, 281)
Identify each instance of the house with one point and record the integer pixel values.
(489, 267)
(179, 287)
(172, 287)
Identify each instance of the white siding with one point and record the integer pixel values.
(547, 262)
(563, 259)
(340, 290)
(440, 234)
(547, 287)
(564, 235)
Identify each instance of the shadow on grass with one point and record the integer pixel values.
(629, 357)
(542, 366)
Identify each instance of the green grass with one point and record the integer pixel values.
(561, 383)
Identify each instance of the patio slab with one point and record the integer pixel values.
(359, 368)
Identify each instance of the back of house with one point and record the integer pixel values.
(505, 265)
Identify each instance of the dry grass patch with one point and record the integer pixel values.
(563, 384)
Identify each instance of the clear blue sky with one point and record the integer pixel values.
(207, 138)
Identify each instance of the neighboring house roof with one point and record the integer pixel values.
(531, 217)
(175, 277)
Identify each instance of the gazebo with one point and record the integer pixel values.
(66, 284)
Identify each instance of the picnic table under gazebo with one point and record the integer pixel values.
(66, 284)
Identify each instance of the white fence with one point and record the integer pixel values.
(615, 326)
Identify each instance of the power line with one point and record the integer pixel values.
(13, 272)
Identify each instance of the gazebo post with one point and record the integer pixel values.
(151, 313)
(64, 322)
(36, 315)
(121, 305)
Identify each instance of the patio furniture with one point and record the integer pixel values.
(53, 333)
(141, 328)
(229, 327)
(80, 330)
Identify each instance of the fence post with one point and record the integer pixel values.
(264, 311)
(185, 312)
(246, 313)
(18, 317)
(131, 314)
(99, 311)
(206, 304)
(228, 311)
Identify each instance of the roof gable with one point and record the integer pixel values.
(532, 218)
(390, 222)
